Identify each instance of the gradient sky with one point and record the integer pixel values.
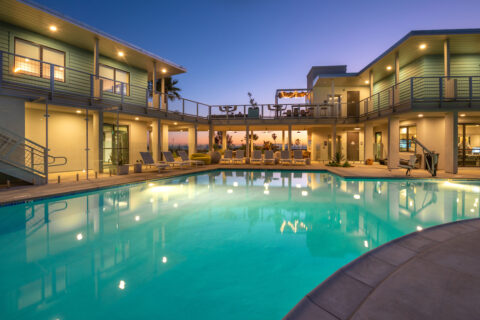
(231, 47)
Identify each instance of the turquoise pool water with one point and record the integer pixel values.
(217, 245)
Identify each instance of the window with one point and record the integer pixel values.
(406, 138)
(32, 54)
(113, 79)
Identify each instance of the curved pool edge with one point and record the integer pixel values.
(370, 286)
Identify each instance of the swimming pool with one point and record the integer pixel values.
(215, 245)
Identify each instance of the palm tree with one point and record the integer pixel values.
(170, 88)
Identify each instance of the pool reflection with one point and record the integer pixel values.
(101, 246)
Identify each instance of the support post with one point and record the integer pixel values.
(290, 137)
(247, 140)
(397, 68)
(334, 140)
(86, 142)
(451, 145)
(393, 142)
(446, 57)
(224, 140)
(163, 97)
(47, 150)
(210, 137)
(96, 69)
(155, 95)
(192, 140)
(283, 140)
(368, 141)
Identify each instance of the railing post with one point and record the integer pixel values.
(52, 79)
(440, 90)
(470, 88)
(122, 93)
(45, 164)
(91, 87)
(411, 92)
(209, 112)
(197, 109)
(262, 111)
(147, 94)
(183, 106)
(244, 111)
(1, 68)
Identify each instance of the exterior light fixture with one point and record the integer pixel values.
(121, 54)
(164, 70)
(462, 115)
(175, 123)
(389, 68)
(422, 46)
(52, 28)
(420, 115)
(137, 118)
(78, 111)
(367, 82)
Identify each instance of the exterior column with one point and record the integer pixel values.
(192, 140)
(247, 141)
(370, 82)
(393, 142)
(451, 144)
(368, 141)
(334, 140)
(155, 95)
(446, 57)
(397, 68)
(334, 109)
(96, 69)
(224, 140)
(97, 145)
(157, 140)
(163, 99)
(210, 137)
(164, 133)
(289, 137)
(283, 140)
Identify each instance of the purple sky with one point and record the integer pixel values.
(231, 47)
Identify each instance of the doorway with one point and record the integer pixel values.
(378, 146)
(115, 144)
(352, 146)
(353, 101)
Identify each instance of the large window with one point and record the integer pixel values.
(406, 138)
(29, 64)
(469, 145)
(113, 79)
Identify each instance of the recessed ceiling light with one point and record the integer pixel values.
(164, 70)
(422, 46)
(357, 128)
(462, 114)
(121, 54)
(137, 118)
(389, 67)
(175, 123)
(52, 28)
(420, 115)
(78, 111)
(367, 82)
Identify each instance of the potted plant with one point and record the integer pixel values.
(120, 168)
(137, 167)
(253, 111)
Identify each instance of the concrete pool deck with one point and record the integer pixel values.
(69, 184)
(430, 274)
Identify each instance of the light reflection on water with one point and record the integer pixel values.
(217, 245)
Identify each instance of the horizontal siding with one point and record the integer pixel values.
(383, 84)
(465, 65)
(79, 63)
(413, 69)
(433, 66)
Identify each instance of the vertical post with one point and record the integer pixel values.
(397, 68)
(370, 82)
(116, 136)
(334, 110)
(192, 140)
(209, 112)
(446, 57)
(183, 106)
(393, 142)
(451, 145)
(96, 70)
(224, 140)
(86, 140)
(470, 89)
(1, 68)
(162, 94)
(52, 80)
(155, 97)
(262, 110)
(45, 159)
(290, 137)
(247, 141)
(334, 140)
(283, 140)
(210, 137)
(197, 109)
(368, 141)
(122, 87)
(411, 91)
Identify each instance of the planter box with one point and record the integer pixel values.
(137, 168)
(122, 170)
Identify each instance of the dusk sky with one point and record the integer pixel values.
(233, 47)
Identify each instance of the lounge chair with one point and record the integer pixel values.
(227, 157)
(183, 155)
(298, 157)
(239, 156)
(148, 161)
(257, 157)
(408, 165)
(285, 157)
(268, 157)
(167, 155)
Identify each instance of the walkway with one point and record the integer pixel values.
(431, 274)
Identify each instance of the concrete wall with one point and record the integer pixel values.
(66, 135)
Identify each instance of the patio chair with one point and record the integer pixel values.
(239, 157)
(268, 157)
(183, 155)
(257, 157)
(408, 165)
(298, 157)
(285, 157)
(167, 155)
(295, 112)
(148, 161)
(227, 157)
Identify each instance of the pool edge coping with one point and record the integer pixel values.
(309, 307)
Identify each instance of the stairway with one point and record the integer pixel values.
(24, 159)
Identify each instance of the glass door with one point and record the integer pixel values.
(469, 145)
(378, 147)
(115, 144)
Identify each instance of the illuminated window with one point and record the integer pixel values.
(406, 138)
(113, 79)
(30, 55)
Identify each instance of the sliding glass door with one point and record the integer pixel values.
(115, 144)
